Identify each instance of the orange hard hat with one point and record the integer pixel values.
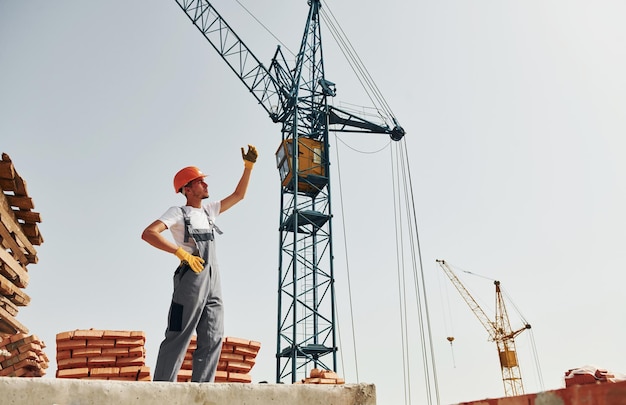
(185, 175)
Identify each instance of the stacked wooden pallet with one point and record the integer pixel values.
(318, 376)
(18, 235)
(22, 356)
(237, 358)
(102, 355)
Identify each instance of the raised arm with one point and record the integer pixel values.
(249, 158)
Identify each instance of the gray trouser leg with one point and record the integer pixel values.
(210, 331)
(185, 313)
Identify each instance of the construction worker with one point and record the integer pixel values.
(196, 306)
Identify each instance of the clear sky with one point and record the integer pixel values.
(515, 120)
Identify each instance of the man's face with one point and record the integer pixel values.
(197, 188)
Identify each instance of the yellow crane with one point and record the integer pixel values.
(499, 331)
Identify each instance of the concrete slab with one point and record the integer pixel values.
(45, 391)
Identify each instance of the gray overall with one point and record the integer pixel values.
(196, 307)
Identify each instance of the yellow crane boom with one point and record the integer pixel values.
(499, 331)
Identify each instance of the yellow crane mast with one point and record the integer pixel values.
(499, 331)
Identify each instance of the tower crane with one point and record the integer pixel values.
(499, 331)
(296, 97)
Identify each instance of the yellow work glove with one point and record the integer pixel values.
(195, 262)
(249, 158)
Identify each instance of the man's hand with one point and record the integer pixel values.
(195, 262)
(249, 158)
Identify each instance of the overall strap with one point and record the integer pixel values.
(187, 224)
(212, 224)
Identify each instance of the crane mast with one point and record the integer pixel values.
(297, 98)
(499, 331)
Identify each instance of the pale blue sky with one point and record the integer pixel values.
(515, 120)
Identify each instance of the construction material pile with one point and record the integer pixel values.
(22, 356)
(591, 375)
(317, 376)
(102, 355)
(18, 235)
(237, 358)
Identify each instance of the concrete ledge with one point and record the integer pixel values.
(45, 391)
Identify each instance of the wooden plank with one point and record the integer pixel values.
(8, 306)
(7, 217)
(32, 233)
(7, 171)
(13, 293)
(7, 241)
(20, 202)
(10, 325)
(12, 269)
(27, 216)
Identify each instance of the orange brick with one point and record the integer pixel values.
(144, 371)
(130, 361)
(87, 352)
(73, 373)
(129, 342)
(228, 348)
(5, 341)
(72, 362)
(236, 341)
(17, 337)
(246, 351)
(101, 361)
(71, 344)
(101, 343)
(239, 377)
(104, 372)
(115, 351)
(238, 367)
(184, 376)
(130, 371)
(32, 346)
(187, 364)
(221, 376)
(255, 345)
(138, 334)
(64, 336)
(7, 372)
(221, 366)
(144, 378)
(116, 334)
(231, 357)
(249, 360)
(136, 351)
(88, 334)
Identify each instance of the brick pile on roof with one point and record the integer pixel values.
(237, 358)
(19, 234)
(102, 355)
(22, 355)
(320, 376)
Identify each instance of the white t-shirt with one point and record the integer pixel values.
(175, 222)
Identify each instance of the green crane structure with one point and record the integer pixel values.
(499, 331)
(296, 97)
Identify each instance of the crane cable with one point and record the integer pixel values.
(355, 62)
(345, 242)
(403, 181)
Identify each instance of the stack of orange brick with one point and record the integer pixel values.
(102, 355)
(318, 376)
(22, 356)
(237, 358)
